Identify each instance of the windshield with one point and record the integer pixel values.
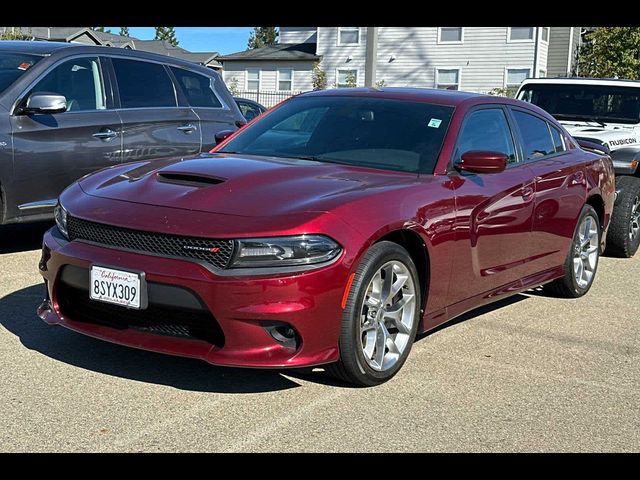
(597, 103)
(361, 131)
(13, 66)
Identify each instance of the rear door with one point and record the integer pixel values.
(53, 150)
(154, 126)
(493, 211)
(203, 93)
(560, 188)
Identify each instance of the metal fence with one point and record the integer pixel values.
(266, 98)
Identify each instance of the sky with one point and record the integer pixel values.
(200, 39)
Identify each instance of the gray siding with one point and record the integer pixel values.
(559, 54)
(297, 35)
(409, 56)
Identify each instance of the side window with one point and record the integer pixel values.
(487, 130)
(536, 139)
(556, 136)
(143, 84)
(79, 80)
(198, 88)
(249, 112)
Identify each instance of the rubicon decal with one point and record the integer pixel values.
(623, 141)
(201, 249)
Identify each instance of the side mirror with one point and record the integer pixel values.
(223, 135)
(478, 161)
(45, 102)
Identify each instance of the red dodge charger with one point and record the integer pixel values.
(330, 231)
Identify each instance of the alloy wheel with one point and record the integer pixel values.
(586, 252)
(387, 315)
(634, 224)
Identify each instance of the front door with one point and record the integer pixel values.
(53, 150)
(153, 124)
(493, 212)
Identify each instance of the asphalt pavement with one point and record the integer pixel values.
(531, 373)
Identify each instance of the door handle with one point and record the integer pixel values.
(527, 193)
(106, 134)
(188, 128)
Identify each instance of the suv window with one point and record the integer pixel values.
(556, 136)
(79, 80)
(536, 138)
(13, 66)
(248, 110)
(143, 84)
(487, 129)
(197, 88)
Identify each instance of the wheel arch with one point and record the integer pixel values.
(597, 202)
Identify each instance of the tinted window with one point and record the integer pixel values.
(79, 80)
(372, 132)
(556, 137)
(603, 103)
(143, 84)
(198, 88)
(536, 139)
(248, 110)
(13, 66)
(487, 130)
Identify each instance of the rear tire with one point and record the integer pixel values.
(380, 318)
(582, 260)
(623, 238)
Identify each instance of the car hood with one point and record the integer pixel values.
(240, 184)
(614, 136)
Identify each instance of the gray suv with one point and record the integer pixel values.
(67, 110)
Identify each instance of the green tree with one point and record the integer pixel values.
(318, 77)
(100, 29)
(263, 36)
(504, 91)
(14, 33)
(124, 31)
(350, 80)
(611, 52)
(168, 34)
(233, 87)
(381, 83)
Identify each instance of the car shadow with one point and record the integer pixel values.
(22, 237)
(17, 315)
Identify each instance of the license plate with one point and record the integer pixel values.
(117, 287)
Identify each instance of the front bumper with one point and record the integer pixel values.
(243, 307)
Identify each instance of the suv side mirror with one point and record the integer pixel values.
(478, 161)
(222, 135)
(45, 102)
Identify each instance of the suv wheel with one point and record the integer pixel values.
(623, 238)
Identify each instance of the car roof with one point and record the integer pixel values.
(439, 96)
(47, 48)
(612, 82)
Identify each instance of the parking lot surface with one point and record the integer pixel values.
(531, 373)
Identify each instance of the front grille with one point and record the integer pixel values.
(161, 320)
(215, 252)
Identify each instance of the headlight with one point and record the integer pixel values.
(60, 215)
(284, 251)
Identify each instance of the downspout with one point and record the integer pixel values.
(535, 53)
(570, 52)
(371, 57)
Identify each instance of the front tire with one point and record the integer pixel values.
(623, 238)
(582, 260)
(380, 318)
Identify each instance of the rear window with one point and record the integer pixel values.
(361, 131)
(536, 137)
(13, 66)
(143, 84)
(197, 88)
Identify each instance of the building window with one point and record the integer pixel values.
(520, 34)
(346, 77)
(450, 35)
(348, 35)
(515, 76)
(545, 34)
(253, 79)
(448, 79)
(285, 79)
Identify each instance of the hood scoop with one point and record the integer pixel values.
(188, 179)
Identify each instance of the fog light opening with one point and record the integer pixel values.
(283, 333)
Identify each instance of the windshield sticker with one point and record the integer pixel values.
(24, 66)
(435, 122)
